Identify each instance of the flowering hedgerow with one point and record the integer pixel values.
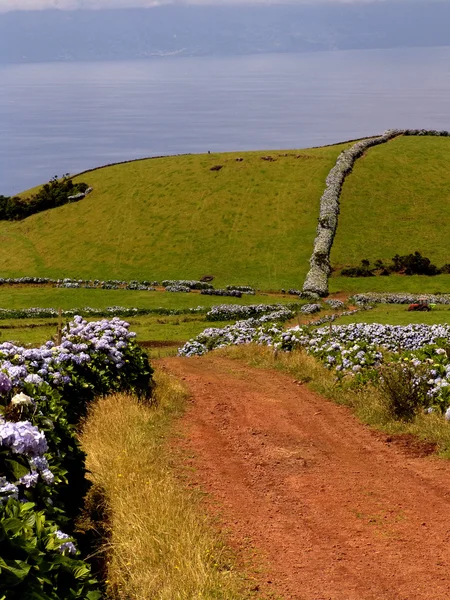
(260, 330)
(88, 311)
(189, 283)
(178, 288)
(68, 282)
(357, 349)
(334, 303)
(227, 292)
(387, 298)
(245, 289)
(43, 394)
(309, 309)
(317, 277)
(230, 312)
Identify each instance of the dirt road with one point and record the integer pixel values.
(339, 512)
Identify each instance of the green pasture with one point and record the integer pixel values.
(149, 328)
(48, 297)
(253, 222)
(157, 328)
(396, 201)
(415, 284)
(398, 314)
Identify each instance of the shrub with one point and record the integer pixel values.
(53, 194)
(404, 387)
(38, 560)
(413, 264)
(409, 264)
(44, 392)
(363, 270)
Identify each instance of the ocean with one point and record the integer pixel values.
(60, 118)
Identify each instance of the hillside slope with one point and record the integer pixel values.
(396, 201)
(251, 222)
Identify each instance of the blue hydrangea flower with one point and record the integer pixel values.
(5, 384)
(65, 546)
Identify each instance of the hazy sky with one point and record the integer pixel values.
(8, 5)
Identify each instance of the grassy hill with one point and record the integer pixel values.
(396, 201)
(251, 222)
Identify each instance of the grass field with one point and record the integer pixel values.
(154, 328)
(251, 222)
(394, 314)
(47, 297)
(420, 284)
(396, 201)
(159, 328)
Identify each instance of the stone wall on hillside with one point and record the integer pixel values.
(316, 280)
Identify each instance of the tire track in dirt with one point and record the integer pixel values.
(337, 512)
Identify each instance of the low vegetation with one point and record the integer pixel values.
(44, 393)
(53, 194)
(161, 545)
(409, 264)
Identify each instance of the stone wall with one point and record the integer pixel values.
(316, 280)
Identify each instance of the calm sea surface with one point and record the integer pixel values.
(57, 118)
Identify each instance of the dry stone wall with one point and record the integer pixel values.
(316, 280)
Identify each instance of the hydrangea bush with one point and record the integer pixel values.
(88, 311)
(356, 350)
(260, 330)
(230, 312)
(219, 292)
(43, 394)
(390, 298)
(192, 284)
(245, 289)
(309, 309)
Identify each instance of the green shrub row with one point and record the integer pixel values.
(44, 393)
(409, 264)
(53, 194)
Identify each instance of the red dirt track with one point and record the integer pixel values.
(337, 512)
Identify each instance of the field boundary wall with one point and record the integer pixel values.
(316, 280)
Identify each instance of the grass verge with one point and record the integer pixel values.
(160, 545)
(367, 402)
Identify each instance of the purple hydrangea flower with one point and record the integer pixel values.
(47, 476)
(7, 490)
(22, 438)
(5, 384)
(33, 378)
(65, 546)
(29, 480)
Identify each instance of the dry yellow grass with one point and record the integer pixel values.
(161, 547)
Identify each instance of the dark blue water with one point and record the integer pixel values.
(58, 118)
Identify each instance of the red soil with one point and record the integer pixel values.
(337, 512)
